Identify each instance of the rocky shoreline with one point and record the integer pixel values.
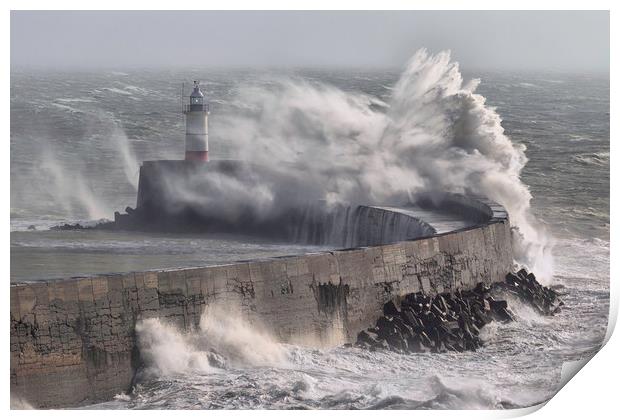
(452, 321)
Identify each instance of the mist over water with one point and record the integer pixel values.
(368, 136)
(70, 188)
(67, 182)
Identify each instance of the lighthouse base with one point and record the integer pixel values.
(201, 156)
(196, 195)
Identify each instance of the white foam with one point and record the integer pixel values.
(119, 91)
(168, 351)
(597, 159)
(223, 339)
(67, 108)
(437, 134)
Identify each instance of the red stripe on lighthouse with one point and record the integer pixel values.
(202, 156)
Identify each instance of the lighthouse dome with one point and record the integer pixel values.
(196, 93)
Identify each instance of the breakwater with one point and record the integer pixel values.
(73, 340)
(451, 321)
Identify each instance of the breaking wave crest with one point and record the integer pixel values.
(475, 395)
(596, 159)
(222, 340)
(433, 133)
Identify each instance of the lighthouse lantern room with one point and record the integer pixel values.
(196, 126)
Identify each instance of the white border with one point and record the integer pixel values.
(311, 5)
(592, 393)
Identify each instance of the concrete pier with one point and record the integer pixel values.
(73, 340)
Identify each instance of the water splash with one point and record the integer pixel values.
(70, 190)
(19, 403)
(434, 133)
(167, 351)
(238, 341)
(223, 339)
(120, 144)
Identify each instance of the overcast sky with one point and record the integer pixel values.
(554, 40)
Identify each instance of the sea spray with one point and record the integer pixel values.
(120, 143)
(238, 341)
(222, 195)
(433, 133)
(167, 351)
(222, 339)
(105, 128)
(71, 191)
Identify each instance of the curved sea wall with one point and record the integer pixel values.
(73, 340)
(355, 226)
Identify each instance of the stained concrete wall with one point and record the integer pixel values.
(73, 341)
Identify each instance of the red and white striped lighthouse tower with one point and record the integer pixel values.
(196, 126)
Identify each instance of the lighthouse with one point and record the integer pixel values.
(196, 126)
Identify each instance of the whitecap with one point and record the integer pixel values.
(596, 159)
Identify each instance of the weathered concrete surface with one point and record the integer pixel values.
(73, 341)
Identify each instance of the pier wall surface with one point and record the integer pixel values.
(73, 341)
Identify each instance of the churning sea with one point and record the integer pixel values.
(76, 142)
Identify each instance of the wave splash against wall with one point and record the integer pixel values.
(433, 133)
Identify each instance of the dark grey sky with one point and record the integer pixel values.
(555, 40)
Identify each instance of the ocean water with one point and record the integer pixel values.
(77, 140)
